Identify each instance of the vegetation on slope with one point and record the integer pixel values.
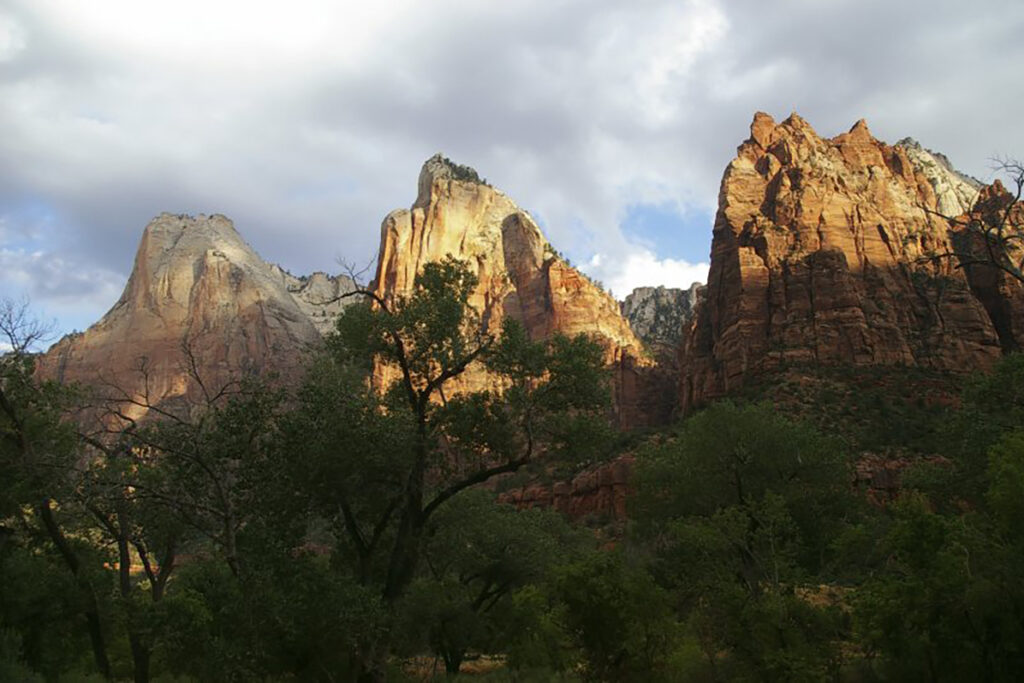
(342, 533)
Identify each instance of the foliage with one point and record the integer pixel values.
(464, 173)
(350, 531)
(739, 512)
(376, 470)
(478, 554)
(618, 617)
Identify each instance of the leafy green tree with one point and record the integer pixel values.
(199, 461)
(377, 468)
(618, 616)
(478, 554)
(120, 518)
(183, 477)
(992, 405)
(926, 615)
(38, 458)
(738, 513)
(943, 600)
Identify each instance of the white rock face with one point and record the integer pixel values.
(196, 283)
(955, 193)
(658, 315)
(318, 296)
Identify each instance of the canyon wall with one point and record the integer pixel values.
(830, 251)
(521, 276)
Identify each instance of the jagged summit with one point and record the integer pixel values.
(441, 168)
(659, 315)
(196, 282)
(822, 255)
(521, 276)
(916, 149)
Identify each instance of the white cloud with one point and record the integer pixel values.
(12, 38)
(642, 268)
(59, 287)
(307, 122)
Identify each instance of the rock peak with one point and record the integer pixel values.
(520, 277)
(820, 256)
(441, 168)
(922, 154)
(195, 281)
(796, 121)
(860, 131)
(761, 128)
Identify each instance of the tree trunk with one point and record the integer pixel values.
(140, 658)
(453, 662)
(92, 612)
(373, 666)
(140, 652)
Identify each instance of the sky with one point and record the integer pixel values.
(306, 122)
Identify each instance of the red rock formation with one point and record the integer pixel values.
(520, 276)
(821, 255)
(599, 491)
(195, 283)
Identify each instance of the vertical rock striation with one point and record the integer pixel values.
(822, 253)
(659, 315)
(520, 275)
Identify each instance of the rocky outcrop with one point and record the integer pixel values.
(196, 290)
(318, 296)
(520, 275)
(828, 251)
(598, 493)
(658, 315)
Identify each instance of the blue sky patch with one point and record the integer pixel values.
(669, 233)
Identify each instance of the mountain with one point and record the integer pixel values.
(824, 254)
(658, 315)
(521, 276)
(196, 284)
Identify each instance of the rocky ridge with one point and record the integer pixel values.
(520, 276)
(823, 253)
(658, 315)
(196, 284)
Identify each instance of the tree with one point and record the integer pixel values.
(943, 593)
(38, 454)
(378, 467)
(991, 235)
(113, 495)
(738, 513)
(944, 601)
(619, 617)
(478, 554)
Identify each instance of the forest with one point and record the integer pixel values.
(341, 531)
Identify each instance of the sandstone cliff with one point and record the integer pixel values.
(196, 283)
(520, 275)
(821, 255)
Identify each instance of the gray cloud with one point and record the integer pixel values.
(307, 127)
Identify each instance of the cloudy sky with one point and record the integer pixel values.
(307, 121)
